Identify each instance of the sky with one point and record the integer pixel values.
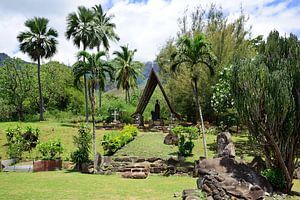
(144, 25)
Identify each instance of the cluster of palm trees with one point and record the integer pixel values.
(88, 29)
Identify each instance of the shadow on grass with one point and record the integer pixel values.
(70, 125)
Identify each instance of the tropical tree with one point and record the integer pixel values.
(97, 70)
(127, 71)
(80, 28)
(194, 52)
(104, 32)
(39, 42)
(266, 91)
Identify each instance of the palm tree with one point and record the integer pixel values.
(39, 42)
(104, 32)
(97, 70)
(80, 29)
(194, 52)
(128, 70)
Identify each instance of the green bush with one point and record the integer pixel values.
(275, 177)
(51, 149)
(83, 143)
(186, 136)
(19, 142)
(113, 141)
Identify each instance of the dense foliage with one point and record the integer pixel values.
(19, 97)
(266, 93)
(51, 149)
(19, 141)
(113, 141)
(275, 177)
(83, 143)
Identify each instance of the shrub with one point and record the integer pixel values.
(51, 149)
(186, 136)
(19, 142)
(113, 141)
(83, 143)
(275, 177)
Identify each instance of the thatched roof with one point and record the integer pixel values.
(152, 82)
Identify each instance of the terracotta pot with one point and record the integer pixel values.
(47, 165)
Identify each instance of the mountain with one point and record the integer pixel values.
(3, 57)
(147, 69)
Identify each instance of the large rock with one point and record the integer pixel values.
(258, 164)
(297, 173)
(225, 145)
(225, 178)
(171, 139)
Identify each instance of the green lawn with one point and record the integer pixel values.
(48, 130)
(65, 185)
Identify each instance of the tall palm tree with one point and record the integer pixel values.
(128, 70)
(80, 28)
(39, 42)
(104, 32)
(97, 70)
(194, 52)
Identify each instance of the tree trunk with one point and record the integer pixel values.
(126, 98)
(40, 91)
(100, 97)
(86, 94)
(94, 125)
(201, 117)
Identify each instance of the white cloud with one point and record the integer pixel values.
(144, 26)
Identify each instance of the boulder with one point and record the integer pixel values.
(258, 164)
(225, 178)
(297, 173)
(225, 147)
(171, 139)
(191, 194)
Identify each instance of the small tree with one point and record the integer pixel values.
(194, 51)
(266, 91)
(83, 143)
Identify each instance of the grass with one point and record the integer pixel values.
(148, 145)
(48, 130)
(64, 185)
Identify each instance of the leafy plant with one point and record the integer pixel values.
(186, 136)
(83, 143)
(51, 149)
(19, 142)
(113, 141)
(275, 177)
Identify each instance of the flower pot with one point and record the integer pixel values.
(47, 165)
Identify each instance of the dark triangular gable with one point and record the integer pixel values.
(147, 93)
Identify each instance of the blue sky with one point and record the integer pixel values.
(143, 24)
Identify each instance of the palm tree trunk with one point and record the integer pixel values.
(86, 94)
(128, 95)
(94, 125)
(100, 97)
(40, 91)
(86, 100)
(201, 117)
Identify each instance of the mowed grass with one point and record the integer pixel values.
(65, 185)
(148, 145)
(48, 130)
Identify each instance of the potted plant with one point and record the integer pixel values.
(50, 151)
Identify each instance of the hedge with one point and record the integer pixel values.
(113, 141)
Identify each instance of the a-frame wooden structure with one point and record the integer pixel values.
(152, 82)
